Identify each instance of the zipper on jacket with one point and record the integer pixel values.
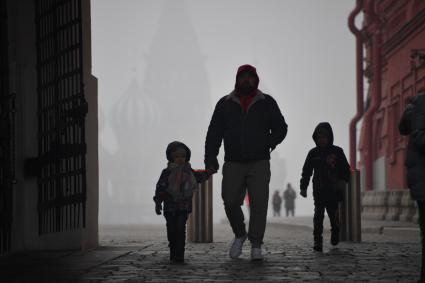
(243, 138)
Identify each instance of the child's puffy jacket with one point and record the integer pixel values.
(172, 200)
(177, 182)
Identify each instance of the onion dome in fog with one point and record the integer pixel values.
(134, 112)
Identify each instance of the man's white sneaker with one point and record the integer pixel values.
(256, 254)
(236, 248)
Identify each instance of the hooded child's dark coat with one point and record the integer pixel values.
(329, 165)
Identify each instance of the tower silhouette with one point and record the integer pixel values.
(172, 102)
(176, 79)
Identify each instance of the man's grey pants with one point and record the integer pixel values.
(238, 178)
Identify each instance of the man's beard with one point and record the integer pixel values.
(246, 89)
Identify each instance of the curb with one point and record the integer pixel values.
(395, 230)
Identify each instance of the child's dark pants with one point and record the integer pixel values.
(319, 213)
(176, 233)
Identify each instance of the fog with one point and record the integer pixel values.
(163, 65)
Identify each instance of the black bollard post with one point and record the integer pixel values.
(350, 210)
(200, 222)
(355, 209)
(344, 226)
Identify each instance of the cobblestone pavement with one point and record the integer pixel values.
(140, 254)
(289, 258)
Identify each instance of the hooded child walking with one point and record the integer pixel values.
(331, 172)
(175, 190)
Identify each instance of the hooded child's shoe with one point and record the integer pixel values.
(172, 255)
(318, 244)
(177, 260)
(334, 238)
(318, 247)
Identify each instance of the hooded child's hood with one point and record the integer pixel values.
(324, 127)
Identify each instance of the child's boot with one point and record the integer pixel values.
(179, 257)
(334, 237)
(172, 255)
(318, 243)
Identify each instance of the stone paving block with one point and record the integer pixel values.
(288, 252)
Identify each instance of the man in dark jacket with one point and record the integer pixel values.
(412, 124)
(251, 125)
(331, 169)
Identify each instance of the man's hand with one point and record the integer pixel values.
(211, 171)
(303, 193)
(212, 165)
(158, 208)
(272, 146)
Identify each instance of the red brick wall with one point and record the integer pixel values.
(402, 30)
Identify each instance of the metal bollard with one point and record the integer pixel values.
(355, 209)
(344, 225)
(200, 223)
(349, 210)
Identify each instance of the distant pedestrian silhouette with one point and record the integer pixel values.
(289, 195)
(277, 204)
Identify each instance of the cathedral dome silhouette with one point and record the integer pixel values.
(135, 111)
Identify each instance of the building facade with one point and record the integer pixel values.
(391, 63)
(48, 119)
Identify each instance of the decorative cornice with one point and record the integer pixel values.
(410, 28)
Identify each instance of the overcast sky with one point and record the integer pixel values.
(303, 51)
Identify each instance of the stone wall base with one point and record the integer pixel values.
(389, 205)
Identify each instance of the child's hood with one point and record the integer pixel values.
(324, 127)
(172, 146)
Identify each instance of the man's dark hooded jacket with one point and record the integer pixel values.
(329, 164)
(412, 124)
(248, 136)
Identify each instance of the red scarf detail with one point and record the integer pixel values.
(246, 100)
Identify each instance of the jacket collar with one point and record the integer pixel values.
(259, 96)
